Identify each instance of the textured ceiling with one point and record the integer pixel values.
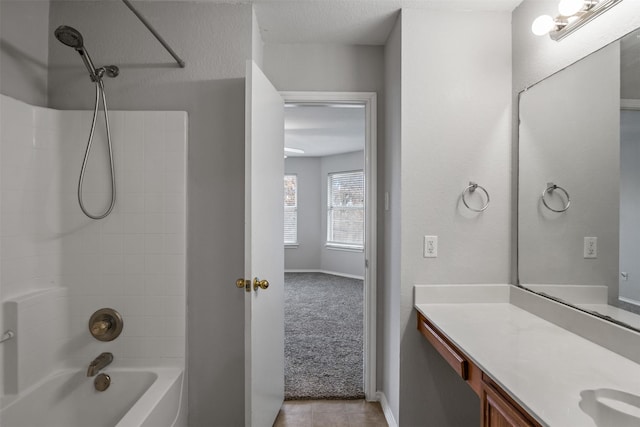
(324, 130)
(349, 21)
(344, 21)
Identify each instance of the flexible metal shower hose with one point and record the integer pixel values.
(99, 93)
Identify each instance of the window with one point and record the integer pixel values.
(290, 209)
(345, 210)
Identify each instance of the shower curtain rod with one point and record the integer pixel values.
(154, 32)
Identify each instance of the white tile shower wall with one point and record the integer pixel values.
(133, 260)
(39, 320)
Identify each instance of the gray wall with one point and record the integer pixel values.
(332, 67)
(535, 58)
(389, 314)
(630, 67)
(24, 50)
(311, 253)
(455, 124)
(570, 135)
(326, 67)
(307, 255)
(630, 204)
(339, 261)
(214, 40)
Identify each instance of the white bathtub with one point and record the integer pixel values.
(143, 397)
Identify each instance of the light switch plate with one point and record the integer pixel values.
(430, 247)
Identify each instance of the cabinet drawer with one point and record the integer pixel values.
(447, 350)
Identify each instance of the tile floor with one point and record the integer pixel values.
(330, 413)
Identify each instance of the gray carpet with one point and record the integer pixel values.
(323, 337)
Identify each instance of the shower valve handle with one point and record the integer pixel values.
(100, 328)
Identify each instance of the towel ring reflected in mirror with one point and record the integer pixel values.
(470, 189)
(548, 190)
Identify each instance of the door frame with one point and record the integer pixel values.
(369, 100)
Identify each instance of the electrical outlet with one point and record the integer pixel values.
(591, 247)
(430, 246)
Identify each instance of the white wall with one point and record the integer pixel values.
(630, 204)
(333, 260)
(24, 51)
(215, 40)
(390, 254)
(455, 125)
(307, 255)
(570, 135)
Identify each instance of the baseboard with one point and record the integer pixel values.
(388, 415)
(334, 273)
(629, 301)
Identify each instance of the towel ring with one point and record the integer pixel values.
(550, 187)
(7, 336)
(471, 188)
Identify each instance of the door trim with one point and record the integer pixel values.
(369, 99)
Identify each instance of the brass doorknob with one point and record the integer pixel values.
(246, 284)
(262, 284)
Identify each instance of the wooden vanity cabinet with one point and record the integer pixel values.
(497, 408)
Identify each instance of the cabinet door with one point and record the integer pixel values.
(498, 412)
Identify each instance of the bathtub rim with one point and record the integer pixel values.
(165, 379)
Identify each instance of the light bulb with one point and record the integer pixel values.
(570, 7)
(293, 150)
(542, 25)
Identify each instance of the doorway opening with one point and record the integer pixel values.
(330, 242)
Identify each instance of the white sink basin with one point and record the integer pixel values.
(610, 407)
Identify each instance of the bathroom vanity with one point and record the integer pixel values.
(497, 407)
(526, 370)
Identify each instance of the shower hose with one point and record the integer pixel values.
(99, 94)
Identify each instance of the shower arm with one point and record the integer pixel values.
(154, 32)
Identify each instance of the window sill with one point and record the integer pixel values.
(291, 245)
(344, 248)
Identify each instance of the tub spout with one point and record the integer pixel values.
(98, 363)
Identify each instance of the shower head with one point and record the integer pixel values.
(69, 36)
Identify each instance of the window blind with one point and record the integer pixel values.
(290, 209)
(345, 209)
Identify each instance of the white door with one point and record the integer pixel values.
(264, 249)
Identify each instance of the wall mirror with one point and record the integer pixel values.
(579, 184)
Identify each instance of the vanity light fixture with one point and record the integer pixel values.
(573, 15)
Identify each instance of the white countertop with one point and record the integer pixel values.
(542, 366)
